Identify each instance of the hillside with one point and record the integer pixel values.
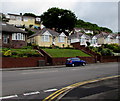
(90, 26)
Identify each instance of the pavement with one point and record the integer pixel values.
(29, 68)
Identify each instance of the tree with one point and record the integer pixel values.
(60, 19)
(29, 14)
(94, 27)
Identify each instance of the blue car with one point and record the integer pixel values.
(75, 62)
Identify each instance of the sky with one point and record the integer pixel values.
(104, 13)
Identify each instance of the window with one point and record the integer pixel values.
(18, 18)
(61, 39)
(0, 35)
(5, 38)
(46, 38)
(94, 41)
(82, 40)
(18, 36)
(26, 19)
(12, 17)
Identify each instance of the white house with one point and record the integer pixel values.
(94, 41)
(79, 37)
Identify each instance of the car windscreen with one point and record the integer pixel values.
(75, 59)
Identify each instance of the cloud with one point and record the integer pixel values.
(101, 12)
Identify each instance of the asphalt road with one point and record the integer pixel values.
(106, 89)
(39, 83)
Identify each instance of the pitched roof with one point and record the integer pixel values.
(52, 32)
(105, 35)
(9, 28)
(77, 35)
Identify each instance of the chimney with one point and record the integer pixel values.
(53, 29)
(21, 14)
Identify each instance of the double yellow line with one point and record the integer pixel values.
(70, 87)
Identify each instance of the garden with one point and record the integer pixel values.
(65, 52)
(23, 52)
(106, 49)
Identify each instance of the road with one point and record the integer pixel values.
(39, 83)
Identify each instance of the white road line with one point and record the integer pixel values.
(31, 93)
(50, 90)
(8, 97)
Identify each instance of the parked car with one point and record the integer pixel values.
(75, 62)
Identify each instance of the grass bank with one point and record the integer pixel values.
(66, 53)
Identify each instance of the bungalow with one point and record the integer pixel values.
(47, 37)
(116, 38)
(94, 41)
(12, 37)
(107, 38)
(83, 30)
(80, 37)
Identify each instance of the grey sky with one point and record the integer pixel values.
(101, 12)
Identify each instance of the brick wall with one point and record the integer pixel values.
(110, 59)
(62, 60)
(9, 62)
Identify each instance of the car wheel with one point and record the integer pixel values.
(83, 64)
(73, 65)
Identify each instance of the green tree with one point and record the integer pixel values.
(104, 29)
(29, 14)
(89, 26)
(60, 19)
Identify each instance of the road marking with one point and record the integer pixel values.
(70, 87)
(50, 90)
(7, 97)
(31, 93)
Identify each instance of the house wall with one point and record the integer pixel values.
(15, 22)
(13, 43)
(60, 44)
(100, 41)
(41, 43)
(38, 41)
(31, 21)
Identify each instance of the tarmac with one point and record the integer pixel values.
(40, 67)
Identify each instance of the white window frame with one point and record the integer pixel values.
(61, 39)
(46, 38)
(18, 36)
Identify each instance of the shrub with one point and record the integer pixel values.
(20, 53)
(106, 52)
(7, 53)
